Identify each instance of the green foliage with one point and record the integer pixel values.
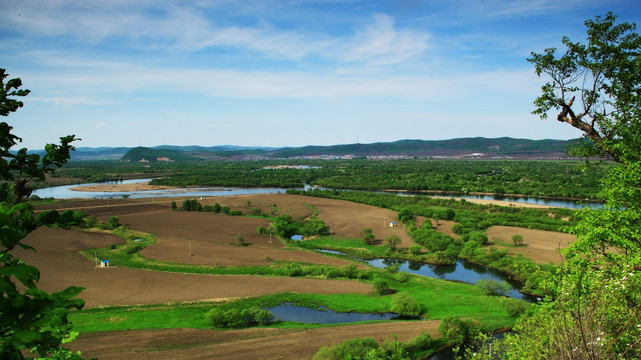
(456, 331)
(235, 317)
(517, 240)
(405, 305)
(515, 307)
(368, 235)
(405, 216)
(596, 87)
(240, 239)
(191, 205)
(381, 286)
(113, 222)
(30, 318)
(392, 241)
(415, 249)
(173, 205)
(594, 310)
(493, 287)
(357, 348)
(478, 237)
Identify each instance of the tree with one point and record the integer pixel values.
(493, 287)
(392, 240)
(30, 318)
(594, 310)
(517, 240)
(240, 239)
(368, 235)
(405, 305)
(596, 88)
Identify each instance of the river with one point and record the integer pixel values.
(65, 192)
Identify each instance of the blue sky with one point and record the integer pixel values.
(284, 73)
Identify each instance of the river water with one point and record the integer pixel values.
(65, 192)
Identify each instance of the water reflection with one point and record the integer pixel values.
(462, 271)
(323, 315)
(65, 192)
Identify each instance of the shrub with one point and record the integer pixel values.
(208, 208)
(517, 240)
(381, 287)
(358, 348)
(455, 331)
(514, 307)
(392, 241)
(234, 212)
(494, 288)
(255, 211)
(237, 317)
(405, 305)
(479, 237)
(415, 249)
(368, 235)
(240, 239)
(90, 221)
(225, 210)
(173, 205)
(113, 222)
(217, 208)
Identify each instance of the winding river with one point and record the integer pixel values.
(65, 192)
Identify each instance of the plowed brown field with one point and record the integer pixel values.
(211, 238)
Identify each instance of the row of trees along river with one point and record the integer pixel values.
(535, 178)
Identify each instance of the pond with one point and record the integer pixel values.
(462, 271)
(323, 315)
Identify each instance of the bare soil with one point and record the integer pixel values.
(62, 265)
(539, 245)
(244, 344)
(212, 241)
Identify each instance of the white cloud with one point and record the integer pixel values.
(382, 43)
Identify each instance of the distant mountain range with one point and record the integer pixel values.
(454, 148)
(477, 147)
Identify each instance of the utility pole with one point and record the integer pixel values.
(190, 254)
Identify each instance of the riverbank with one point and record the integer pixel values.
(141, 186)
(146, 186)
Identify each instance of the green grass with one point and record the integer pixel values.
(438, 298)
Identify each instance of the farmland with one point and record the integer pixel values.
(157, 297)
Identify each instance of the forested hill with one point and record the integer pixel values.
(463, 147)
(504, 147)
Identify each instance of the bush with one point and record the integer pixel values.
(405, 305)
(236, 317)
(494, 288)
(415, 249)
(255, 211)
(478, 237)
(240, 239)
(515, 307)
(113, 222)
(517, 240)
(90, 221)
(455, 331)
(351, 349)
(208, 208)
(381, 287)
(392, 241)
(368, 235)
